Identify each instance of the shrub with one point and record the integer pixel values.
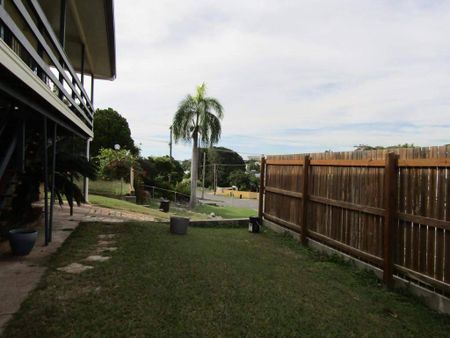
(115, 164)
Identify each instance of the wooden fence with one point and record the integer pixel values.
(391, 210)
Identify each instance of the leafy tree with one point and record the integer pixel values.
(115, 164)
(162, 171)
(244, 181)
(198, 120)
(111, 128)
(186, 165)
(369, 147)
(226, 160)
(253, 166)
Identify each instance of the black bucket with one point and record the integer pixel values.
(22, 241)
(254, 224)
(179, 225)
(164, 205)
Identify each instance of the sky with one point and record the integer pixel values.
(294, 76)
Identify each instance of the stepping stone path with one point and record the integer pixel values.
(97, 258)
(102, 246)
(108, 236)
(75, 268)
(110, 249)
(106, 243)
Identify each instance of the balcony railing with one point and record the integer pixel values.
(42, 52)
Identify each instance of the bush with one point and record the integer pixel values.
(244, 181)
(184, 187)
(115, 164)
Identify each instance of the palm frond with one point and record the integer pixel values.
(215, 105)
(183, 119)
(198, 115)
(201, 91)
(211, 130)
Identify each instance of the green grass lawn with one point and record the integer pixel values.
(106, 188)
(210, 283)
(226, 212)
(113, 203)
(200, 212)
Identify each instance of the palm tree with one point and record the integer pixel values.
(197, 119)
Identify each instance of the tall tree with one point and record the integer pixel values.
(111, 128)
(226, 160)
(198, 120)
(163, 171)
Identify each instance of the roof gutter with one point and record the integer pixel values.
(109, 10)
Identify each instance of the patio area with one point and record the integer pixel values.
(212, 282)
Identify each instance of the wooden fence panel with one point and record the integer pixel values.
(421, 249)
(345, 206)
(287, 178)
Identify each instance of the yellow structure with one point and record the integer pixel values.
(237, 194)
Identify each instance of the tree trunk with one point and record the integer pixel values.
(194, 172)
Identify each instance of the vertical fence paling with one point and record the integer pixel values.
(304, 209)
(391, 210)
(390, 215)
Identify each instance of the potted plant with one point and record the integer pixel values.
(22, 241)
(24, 216)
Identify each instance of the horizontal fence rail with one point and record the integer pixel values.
(41, 50)
(172, 195)
(388, 208)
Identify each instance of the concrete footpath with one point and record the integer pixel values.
(20, 275)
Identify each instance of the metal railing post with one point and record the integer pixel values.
(45, 144)
(52, 191)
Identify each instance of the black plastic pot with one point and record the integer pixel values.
(254, 224)
(164, 205)
(22, 241)
(179, 225)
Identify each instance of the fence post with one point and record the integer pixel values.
(304, 220)
(262, 187)
(390, 215)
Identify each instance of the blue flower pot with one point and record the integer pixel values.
(22, 241)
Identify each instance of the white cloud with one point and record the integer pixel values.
(328, 66)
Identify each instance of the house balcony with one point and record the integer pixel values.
(48, 48)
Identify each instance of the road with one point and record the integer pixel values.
(227, 201)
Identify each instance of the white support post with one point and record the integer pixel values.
(86, 180)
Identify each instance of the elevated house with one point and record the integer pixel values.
(49, 51)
